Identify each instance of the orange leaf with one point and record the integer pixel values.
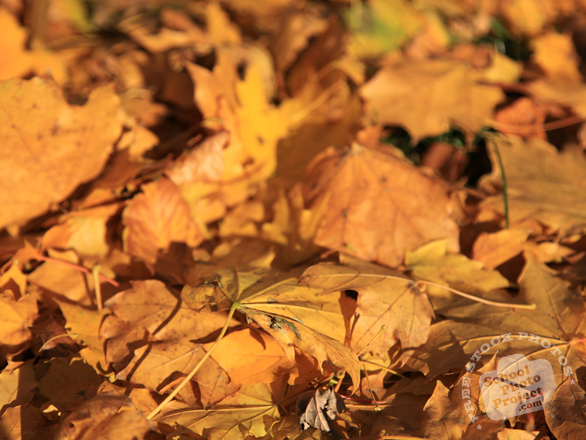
(379, 206)
(48, 147)
(157, 217)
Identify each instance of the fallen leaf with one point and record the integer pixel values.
(548, 188)
(390, 307)
(250, 411)
(292, 313)
(65, 145)
(543, 333)
(375, 213)
(83, 327)
(106, 417)
(68, 381)
(17, 386)
(56, 279)
(443, 419)
(567, 93)
(157, 217)
(516, 434)
(566, 412)
(556, 55)
(173, 351)
(382, 27)
(496, 248)
(317, 408)
(17, 317)
(25, 421)
(19, 62)
(427, 97)
(432, 262)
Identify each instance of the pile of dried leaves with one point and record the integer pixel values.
(235, 219)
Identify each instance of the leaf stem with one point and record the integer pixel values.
(97, 287)
(480, 300)
(505, 186)
(77, 267)
(235, 306)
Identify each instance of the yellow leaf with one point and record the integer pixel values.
(17, 317)
(427, 97)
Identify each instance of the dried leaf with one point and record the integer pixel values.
(543, 184)
(442, 418)
(427, 97)
(317, 408)
(17, 317)
(566, 413)
(65, 145)
(157, 217)
(378, 213)
(390, 307)
(315, 322)
(106, 417)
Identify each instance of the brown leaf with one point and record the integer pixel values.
(566, 412)
(250, 411)
(378, 212)
(427, 97)
(157, 217)
(106, 417)
(543, 184)
(316, 408)
(174, 327)
(83, 327)
(293, 314)
(17, 317)
(557, 318)
(443, 419)
(49, 147)
(390, 308)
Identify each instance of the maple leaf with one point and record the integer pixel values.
(427, 97)
(250, 411)
(16, 387)
(554, 323)
(104, 416)
(566, 412)
(64, 145)
(379, 212)
(292, 313)
(547, 188)
(18, 61)
(84, 328)
(443, 419)
(157, 217)
(243, 355)
(432, 262)
(390, 307)
(18, 317)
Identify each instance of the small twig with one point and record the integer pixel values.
(185, 381)
(97, 287)
(77, 267)
(527, 129)
(505, 186)
(480, 300)
(376, 408)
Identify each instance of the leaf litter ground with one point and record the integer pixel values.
(288, 219)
